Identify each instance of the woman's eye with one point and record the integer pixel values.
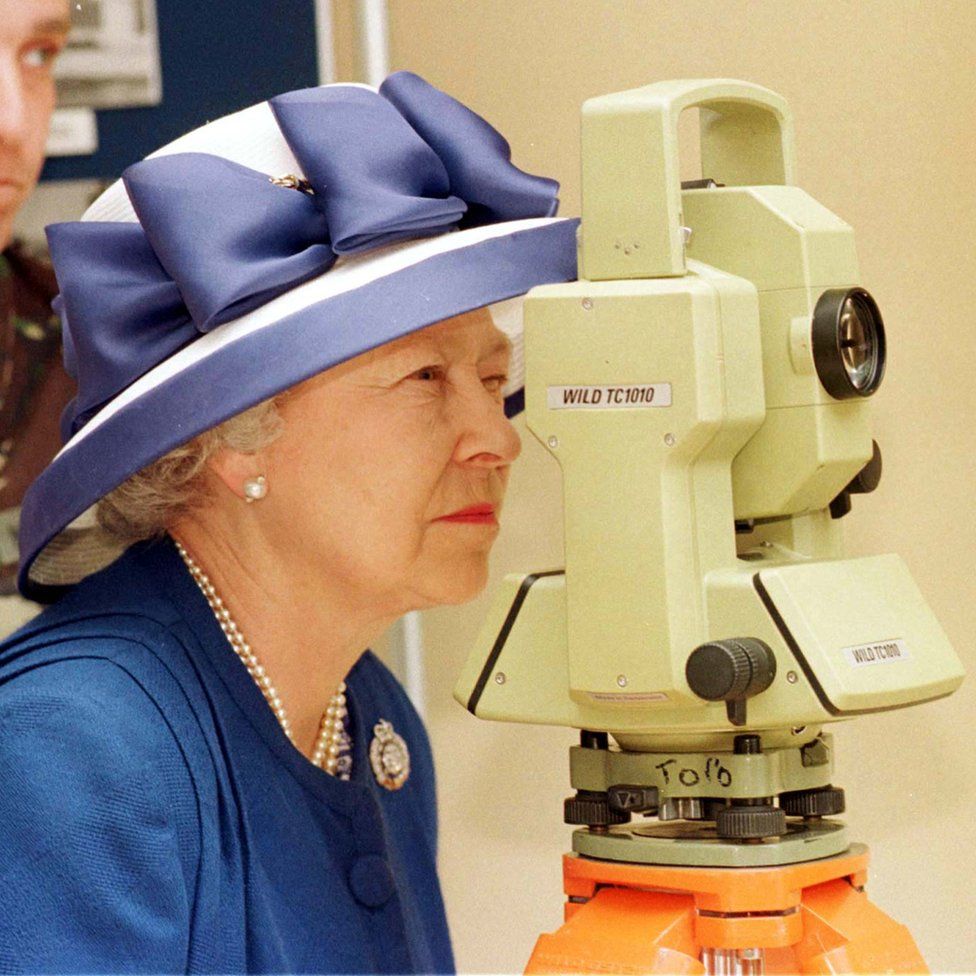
(495, 384)
(428, 374)
(41, 56)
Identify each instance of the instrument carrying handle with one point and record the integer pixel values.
(631, 183)
(746, 130)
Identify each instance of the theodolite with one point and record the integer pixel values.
(705, 387)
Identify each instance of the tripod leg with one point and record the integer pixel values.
(622, 930)
(845, 933)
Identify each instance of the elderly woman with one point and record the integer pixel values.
(289, 334)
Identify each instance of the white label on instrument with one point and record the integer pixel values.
(627, 396)
(884, 652)
(638, 698)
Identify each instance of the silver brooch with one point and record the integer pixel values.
(389, 757)
(292, 182)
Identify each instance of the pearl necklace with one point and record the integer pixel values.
(328, 745)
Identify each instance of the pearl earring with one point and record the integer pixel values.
(255, 489)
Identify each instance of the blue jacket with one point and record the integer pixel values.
(155, 818)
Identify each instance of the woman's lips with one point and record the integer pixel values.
(474, 515)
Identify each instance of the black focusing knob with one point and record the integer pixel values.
(823, 802)
(750, 822)
(592, 809)
(869, 477)
(864, 482)
(731, 670)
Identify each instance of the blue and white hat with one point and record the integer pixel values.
(259, 250)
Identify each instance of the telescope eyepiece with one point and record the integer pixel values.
(848, 343)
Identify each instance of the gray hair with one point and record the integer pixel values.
(150, 501)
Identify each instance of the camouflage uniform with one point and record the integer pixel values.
(34, 389)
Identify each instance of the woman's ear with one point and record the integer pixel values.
(241, 474)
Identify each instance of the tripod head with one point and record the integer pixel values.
(705, 387)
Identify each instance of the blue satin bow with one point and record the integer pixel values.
(216, 239)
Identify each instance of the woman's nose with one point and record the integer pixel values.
(487, 438)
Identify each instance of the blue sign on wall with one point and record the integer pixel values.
(217, 56)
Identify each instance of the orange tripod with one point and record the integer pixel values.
(810, 917)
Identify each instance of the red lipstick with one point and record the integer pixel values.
(473, 515)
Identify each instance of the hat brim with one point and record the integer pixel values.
(359, 305)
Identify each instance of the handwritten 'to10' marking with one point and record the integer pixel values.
(713, 772)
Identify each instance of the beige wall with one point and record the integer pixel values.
(882, 94)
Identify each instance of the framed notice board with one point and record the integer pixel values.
(217, 56)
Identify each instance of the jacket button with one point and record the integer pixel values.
(371, 881)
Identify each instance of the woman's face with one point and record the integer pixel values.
(378, 451)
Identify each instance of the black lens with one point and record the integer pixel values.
(858, 344)
(848, 343)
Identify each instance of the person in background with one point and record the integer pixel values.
(34, 387)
